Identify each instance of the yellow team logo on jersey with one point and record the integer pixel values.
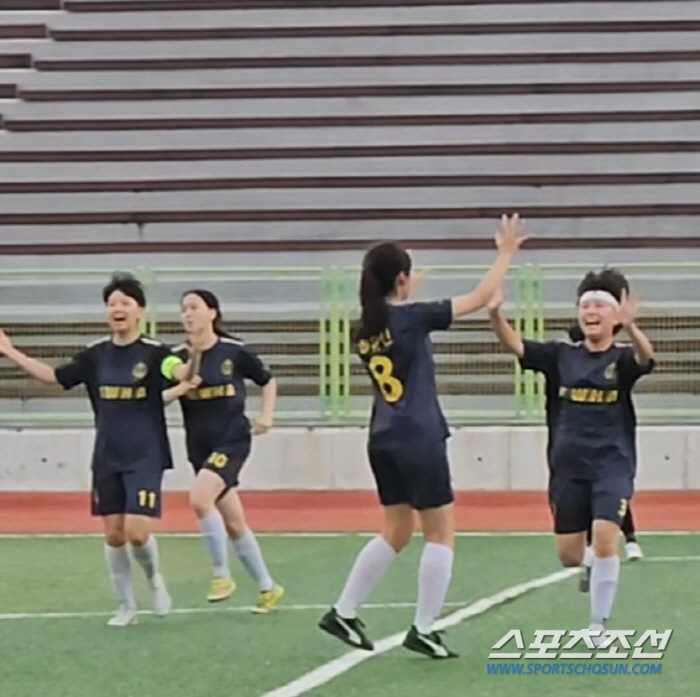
(140, 371)
(227, 367)
(611, 372)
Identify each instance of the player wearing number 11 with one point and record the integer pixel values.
(408, 433)
(124, 374)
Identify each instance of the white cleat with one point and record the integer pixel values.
(125, 617)
(597, 632)
(633, 551)
(162, 602)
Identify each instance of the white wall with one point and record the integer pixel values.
(491, 458)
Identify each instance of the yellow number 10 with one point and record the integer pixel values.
(382, 369)
(147, 499)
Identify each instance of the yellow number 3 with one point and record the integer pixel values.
(382, 370)
(623, 508)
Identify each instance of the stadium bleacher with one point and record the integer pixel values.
(157, 122)
(141, 125)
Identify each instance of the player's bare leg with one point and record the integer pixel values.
(119, 565)
(207, 488)
(144, 547)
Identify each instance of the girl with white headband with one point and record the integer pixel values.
(591, 421)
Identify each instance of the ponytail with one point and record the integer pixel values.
(374, 317)
(380, 269)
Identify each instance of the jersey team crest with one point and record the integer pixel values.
(140, 371)
(227, 367)
(611, 372)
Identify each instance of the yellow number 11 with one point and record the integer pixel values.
(147, 499)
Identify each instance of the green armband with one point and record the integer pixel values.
(168, 366)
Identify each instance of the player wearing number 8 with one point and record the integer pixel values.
(407, 442)
(218, 437)
(124, 374)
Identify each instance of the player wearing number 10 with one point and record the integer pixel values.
(408, 433)
(125, 375)
(218, 436)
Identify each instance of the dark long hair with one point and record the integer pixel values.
(381, 266)
(212, 302)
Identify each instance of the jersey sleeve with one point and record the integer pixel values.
(629, 371)
(433, 316)
(77, 371)
(168, 360)
(252, 367)
(540, 356)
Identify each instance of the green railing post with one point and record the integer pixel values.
(334, 341)
(325, 320)
(519, 321)
(539, 326)
(347, 297)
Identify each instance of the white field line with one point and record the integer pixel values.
(331, 670)
(8, 616)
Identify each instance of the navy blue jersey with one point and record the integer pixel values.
(125, 385)
(214, 413)
(593, 423)
(400, 364)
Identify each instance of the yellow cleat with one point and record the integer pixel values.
(221, 589)
(268, 600)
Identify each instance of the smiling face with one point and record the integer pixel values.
(597, 320)
(197, 316)
(123, 313)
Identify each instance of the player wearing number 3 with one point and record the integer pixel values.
(408, 432)
(125, 375)
(592, 451)
(218, 436)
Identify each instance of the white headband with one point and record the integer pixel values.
(601, 296)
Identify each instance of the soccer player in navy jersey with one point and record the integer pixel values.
(407, 445)
(218, 435)
(593, 449)
(125, 374)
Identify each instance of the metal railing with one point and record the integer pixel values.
(301, 320)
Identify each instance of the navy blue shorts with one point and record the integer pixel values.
(135, 493)
(576, 503)
(413, 473)
(227, 461)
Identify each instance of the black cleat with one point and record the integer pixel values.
(428, 644)
(584, 581)
(348, 629)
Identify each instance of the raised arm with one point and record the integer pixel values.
(31, 366)
(643, 349)
(508, 241)
(509, 338)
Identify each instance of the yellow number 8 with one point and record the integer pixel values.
(218, 460)
(382, 369)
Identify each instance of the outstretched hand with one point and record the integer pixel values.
(510, 238)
